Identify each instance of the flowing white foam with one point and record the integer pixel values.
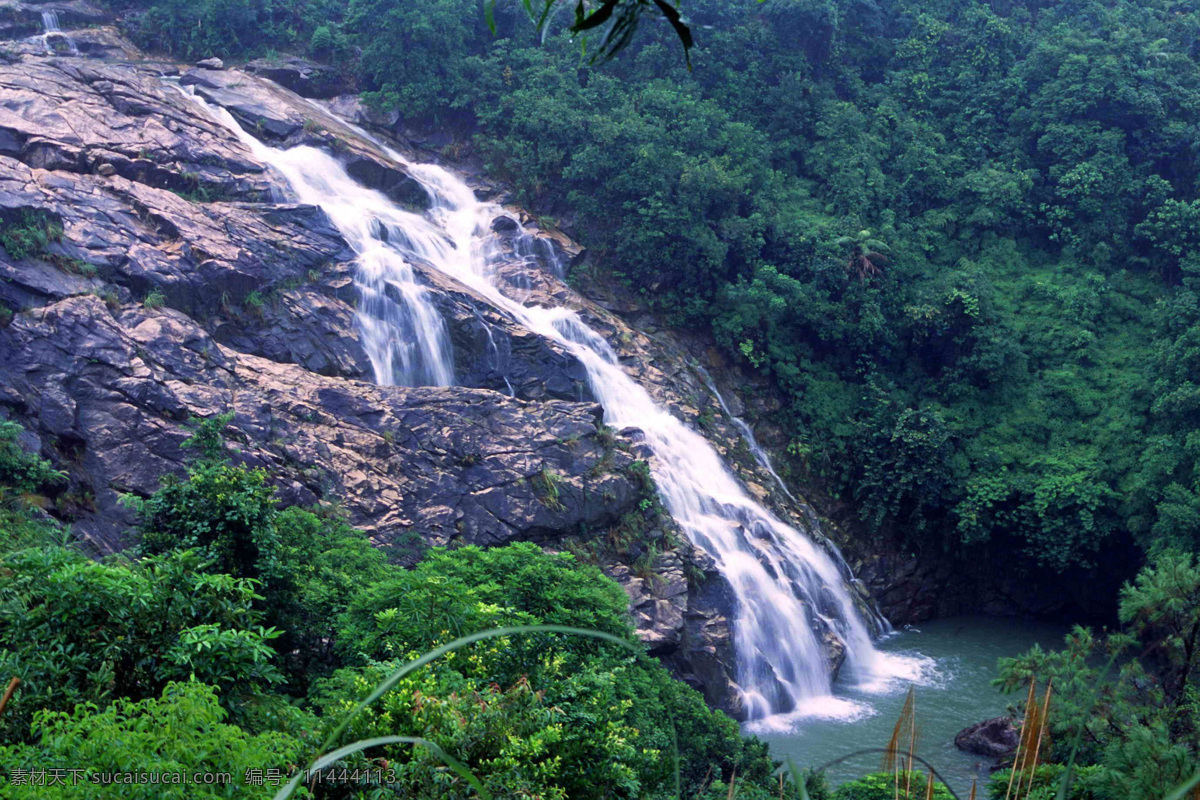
(402, 332)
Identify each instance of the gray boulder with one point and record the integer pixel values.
(993, 738)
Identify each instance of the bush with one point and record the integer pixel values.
(21, 471)
(30, 235)
(882, 786)
(1044, 783)
(182, 731)
(76, 631)
(602, 716)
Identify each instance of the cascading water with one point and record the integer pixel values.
(789, 592)
(52, 32)
(403, 334)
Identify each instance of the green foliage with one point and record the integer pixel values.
(191, 29)
(276, 612)
(30, 235)
(179, 733)
(20, 470)
(24, 480)
(155, 299)
(307, 563)
(1045, 782)
(545, 483)
(225, 512)
(882, 786)
(579, 714)
(77, 631)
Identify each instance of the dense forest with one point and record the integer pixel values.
(958, 236)
(960, 240)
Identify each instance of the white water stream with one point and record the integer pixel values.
(789, 592)
(50, 26)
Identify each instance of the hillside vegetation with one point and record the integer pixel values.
(958, 236)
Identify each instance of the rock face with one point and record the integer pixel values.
(305, 78)
(108, 393)
(993, 738)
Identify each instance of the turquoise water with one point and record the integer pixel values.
(957, 692)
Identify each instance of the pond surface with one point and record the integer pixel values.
(954, 691)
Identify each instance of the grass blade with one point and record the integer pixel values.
(1181, 791)
(389, 683)
(489, 14)
(342, 752)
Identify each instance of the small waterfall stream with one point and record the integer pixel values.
(52, 31)
(790, 594)
(756, 450)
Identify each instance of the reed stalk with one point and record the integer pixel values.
(891, 762)
(1022, 743)
(8, 693)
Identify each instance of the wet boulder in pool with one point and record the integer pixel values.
(993, 738)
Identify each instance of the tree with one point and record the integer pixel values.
(866, 254)
(1141, 728)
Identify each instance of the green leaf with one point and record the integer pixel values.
(364, 744)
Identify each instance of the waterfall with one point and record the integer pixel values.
(789, 593)
(402, 332)
(756, 450)
(51, 30)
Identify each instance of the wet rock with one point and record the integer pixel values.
(103, 42)
(993, 738)
(65, 116)
(417, 466)
(506, 226)
(492, 350)
(305, 78)
(835, 653)
(352, 109)
(380, 174)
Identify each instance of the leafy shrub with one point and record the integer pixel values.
(600, 698)
(322, 41)
(77, 631)
(20, 470)
(184, 730)
(156, 299)
(30, 235)
(225, 512)
(1045, 781)
(882, 786)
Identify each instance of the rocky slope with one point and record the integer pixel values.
(175, 285)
